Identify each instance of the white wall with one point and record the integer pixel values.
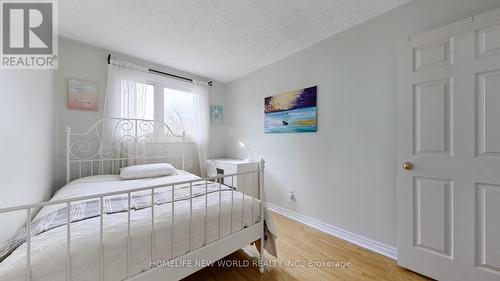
(343, 175)
(26, 142)
(86, 62)
(218, 133)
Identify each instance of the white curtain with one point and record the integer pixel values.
(128, 95)
(202, 122)
(124, 97)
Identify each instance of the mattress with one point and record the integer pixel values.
(49, 250)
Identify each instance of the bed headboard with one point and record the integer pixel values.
(112, 143)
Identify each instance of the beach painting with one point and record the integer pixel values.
(291, 112)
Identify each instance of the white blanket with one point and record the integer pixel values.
(48, 250)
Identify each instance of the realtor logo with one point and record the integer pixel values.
(29, 34)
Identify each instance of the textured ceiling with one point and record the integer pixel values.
(217, 39)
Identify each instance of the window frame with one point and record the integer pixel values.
(190, 136)
(158, 106)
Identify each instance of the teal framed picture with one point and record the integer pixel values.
(216, 114)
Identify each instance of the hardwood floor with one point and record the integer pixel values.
(298, 244)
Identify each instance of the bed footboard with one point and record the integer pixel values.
(212, 250)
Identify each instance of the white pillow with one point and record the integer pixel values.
(147, 171)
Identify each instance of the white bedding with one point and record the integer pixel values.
(48, 250)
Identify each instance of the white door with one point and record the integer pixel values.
(448, 128)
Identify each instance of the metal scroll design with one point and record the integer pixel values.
(116, 138)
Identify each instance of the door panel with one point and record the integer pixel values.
(488, 233)
(433, 55)
(433, 216)
(432, 117)
(488, 113)
(488, 41)
(448, 126)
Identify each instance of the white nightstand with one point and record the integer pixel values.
(248, 183)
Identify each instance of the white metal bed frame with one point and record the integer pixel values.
(137, 132)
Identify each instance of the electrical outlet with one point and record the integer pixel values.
(291, 195)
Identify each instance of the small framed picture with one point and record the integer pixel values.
(82, 95)
(216, 114)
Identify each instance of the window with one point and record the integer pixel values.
(156, 101)
(178, 110)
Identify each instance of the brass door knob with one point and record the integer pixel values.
(408, 165)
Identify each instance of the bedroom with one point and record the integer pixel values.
(334, 187)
